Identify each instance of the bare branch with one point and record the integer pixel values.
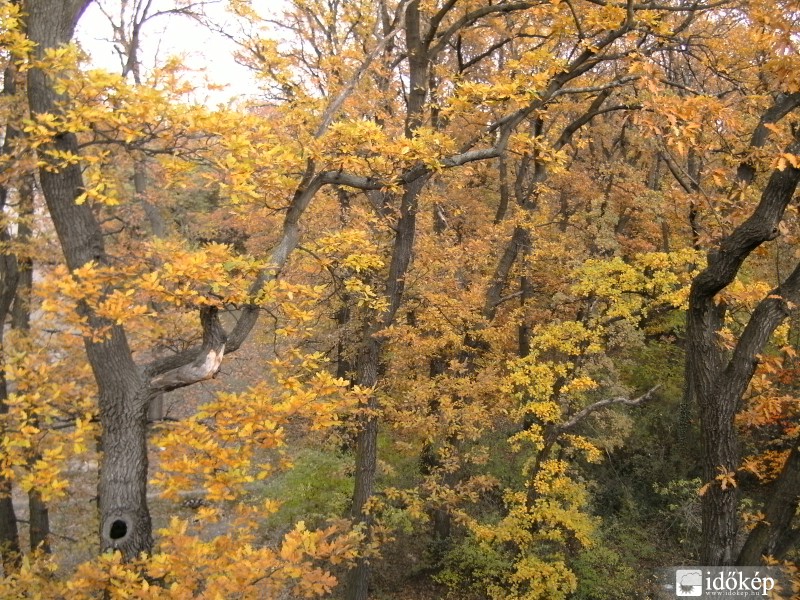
(207, 362)
(689, 185)
(581, 415)
(596, 88)
(333, 107)
(471, 17)
(691, 8)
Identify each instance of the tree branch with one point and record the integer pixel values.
(333, 107)
(468, 19)
(581, 415)
(783, 105)
(206, 363)
(596, 88)
(760, 227)
(305, 191)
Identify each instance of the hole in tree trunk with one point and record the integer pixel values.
(118, 530)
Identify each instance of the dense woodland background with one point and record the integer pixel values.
(464, 298)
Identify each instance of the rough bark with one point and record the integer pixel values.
(124, 517)
(718, 384)
(774, 535)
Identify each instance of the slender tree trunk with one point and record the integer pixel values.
(10, 551)
(429, 457)
(369, 358)
(494, 293)
(154, 217)
(502, 171)
(366, 462)
(525, 292)
(367, 371)
(343, 359)
(9, 278)
(39, 520)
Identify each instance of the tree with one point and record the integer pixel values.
(124, 387)
(462, 220)
(719, 383)
(718, 373)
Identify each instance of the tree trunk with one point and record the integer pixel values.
(369, 358)
(502, 173)
(366, 462)
(39, 520)
(717, 384)
(367, 371)
(9, 283)
(774, 535)
(123, 398)
(10, 552)
(154, 217)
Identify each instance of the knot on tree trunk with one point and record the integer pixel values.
(207, 362)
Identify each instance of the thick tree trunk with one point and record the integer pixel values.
(717, 384)
(123, 398)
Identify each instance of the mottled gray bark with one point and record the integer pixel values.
(124, 517)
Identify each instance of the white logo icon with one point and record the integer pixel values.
(689, 582)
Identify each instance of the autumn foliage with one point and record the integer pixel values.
(462, 298)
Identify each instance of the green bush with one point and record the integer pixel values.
(603, 575)
(315, 489)
(469, 565)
